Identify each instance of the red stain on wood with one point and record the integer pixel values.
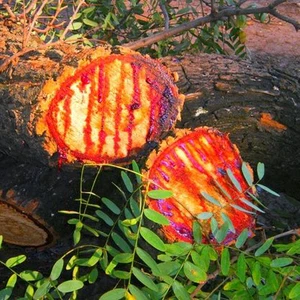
(109, 109)
(193, 163)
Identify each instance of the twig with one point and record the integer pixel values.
(225, 13)
(213, 7)
(33, 21)
(9, 11)
(163, 8)
(72, 19)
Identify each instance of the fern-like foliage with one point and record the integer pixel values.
(144, 266)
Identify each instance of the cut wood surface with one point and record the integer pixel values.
(258, 107)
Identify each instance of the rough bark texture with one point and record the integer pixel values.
(258, 107)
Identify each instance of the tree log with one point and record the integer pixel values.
(259, 107)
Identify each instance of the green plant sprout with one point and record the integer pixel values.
(247, 269)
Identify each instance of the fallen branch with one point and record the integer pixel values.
(214, 16)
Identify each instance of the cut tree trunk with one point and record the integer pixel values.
(259, 107)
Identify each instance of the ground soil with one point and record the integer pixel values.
(276, 43)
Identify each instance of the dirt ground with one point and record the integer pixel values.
(276, 43)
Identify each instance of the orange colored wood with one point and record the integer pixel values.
(192, 163)
(109, 108)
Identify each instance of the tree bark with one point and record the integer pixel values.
(259, 107)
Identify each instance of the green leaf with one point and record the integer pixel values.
(264, 247)
(214, 226)
(169, 267)
(123, 258)
(272, 282)
(148, 260)
(115, 294)
(256, 273)
(134, 207)
(193, 272)
(234, 180)
(222, 232)
(227, 220)
(130, 222)
(92, 230)
(260, 170)
(121, 274)
(180, 292)
(268, 190)
(156, 217)
(137, 293)
(108, 220)
(152, 239)
(28, 293)
(111, 206)
(76, 25)
(249, 282)
(250, 204)
(57, 269)
(201, 261)
(5, 293)
(71, 262)
(29, 275)
(70, 286)
(91, 261)
(178, 248)
(76, 236)
(255, 199)
(12, 280)
(223, 191)
(127, 182)
(159, 194)
(225, 261)
(281, 262)
(295, 291)
(93, 276)
(42, 290)
(73, 221)
(111, 266)
(211, 199)
(234, 285)
(14, 261)
(89, 22)
(247, 174)
(144, 279)
(242, 238)
(73, 37)
(137, 171)
(241, 267)
(163, 289)
(1, 241)
(197, 232)
(129, 234)
(204, 215)
(242, 209)
(120, 242)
